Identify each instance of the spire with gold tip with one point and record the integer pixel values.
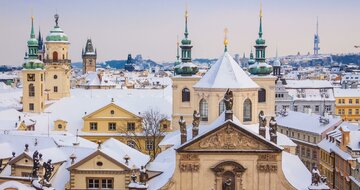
(32, 61)
(226, 41)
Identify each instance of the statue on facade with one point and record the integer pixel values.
(228, 184)
(315, 176)
(144, 177)
(196, 119)
(182, 124)
(228, 100)
(56, 19)
(273, 125)
(262, 119)
(36, 164)
(49, 168)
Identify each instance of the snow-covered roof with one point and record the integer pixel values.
(15, 185)
(350, 92)
(308, 84)
(307, 122)
(295, 171)
(226, 73)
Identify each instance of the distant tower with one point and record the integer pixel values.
(89, 57)
(41, 47)
(33, 77)
(57, 63)
(277, 65)
(129, 66)
(316, 39)
(177, 62)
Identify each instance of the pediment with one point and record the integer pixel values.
(111, 110)
(230, 138)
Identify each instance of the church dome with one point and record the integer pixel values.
(33, 64)
(185, 41)
(186, 69)
(260, 41)
(32, 42)
(260, 68)
(57, 35)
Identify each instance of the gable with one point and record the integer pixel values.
(92, 162)
(22, 159)
(106, 112)
(230, 138)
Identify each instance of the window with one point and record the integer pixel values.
(31, 90)
(26, 174)
(59, 126)
(308, 153)
(350, 101)
(55, 76)
(42, 77)
(99, 164)
(30, 77)
(164, 126)
(55, 56)
(112, 126)
(55, 89)
(306, 108)
(339, 101)
(247, 110)
(93, 126)
(131, 143)
(314, 139)
(203, 109)
(262, 95)
(357, 111)
(317, 108)
(131, 126)
(328, 108)
(112, 112)
(295, 108)
(356, 101)
(343, 101)
(350, 111)
(314, 154)
(221, 107)
(302, 151)
(149, 145)
(31, 107)
(185, 95)
(297, 150)
(339, 112)
(100, 183)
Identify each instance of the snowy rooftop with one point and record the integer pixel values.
(307, 122)
(339, 92)
(308, 84)
(226, 73)
(295, 171)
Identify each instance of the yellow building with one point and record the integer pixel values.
(347, 104)
(33, 77)
(57, 63)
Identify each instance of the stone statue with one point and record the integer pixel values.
(315, 176)
(36, 164)
(182, 124)
(228, 100)
(273, 125)
(49, 168)
(228, 184)
(262, 119)
(143, 175)
(196, 119)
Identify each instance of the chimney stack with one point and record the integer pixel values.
(26, 147)
(183, 132)
(72, 158)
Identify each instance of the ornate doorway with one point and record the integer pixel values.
(228, 175)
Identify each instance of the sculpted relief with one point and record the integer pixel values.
(229, 138)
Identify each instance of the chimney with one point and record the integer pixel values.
(26, 148)
(345, 136)
(99, 144)
(72, 158)
(195, 123)
(183, 132)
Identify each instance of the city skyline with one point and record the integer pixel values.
(140, 28)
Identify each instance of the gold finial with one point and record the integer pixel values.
(226, 41)
(260, 8)
(177, 40)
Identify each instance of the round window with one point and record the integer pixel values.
(60, 126)
(99, 163)
(112, 112)
(55, 76)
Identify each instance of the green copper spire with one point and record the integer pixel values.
(32, 34)
(186, 28)
(260, 27)
(177, 49)
(32, 42)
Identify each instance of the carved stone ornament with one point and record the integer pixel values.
(263, 167)
(189, 163)
(229, 138)
(267, 157)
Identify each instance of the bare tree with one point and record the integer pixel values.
(153, 132)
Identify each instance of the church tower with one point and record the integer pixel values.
(277, 66)
(57, 63)
(261, 74)
(185, 77)
(33, 77)
(89, 57)
(41, 47)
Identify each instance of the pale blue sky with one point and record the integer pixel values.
(150, 27)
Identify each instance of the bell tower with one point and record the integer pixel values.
(57, 63)
(89, 57)
(33, 77)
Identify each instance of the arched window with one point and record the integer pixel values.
(59, 126)
(131, 143)
(262, 95)
(221, 107)
(55, 56)
(247, 110)
(63, 56)
(203, 105)
(31, 90)
(185, 95)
